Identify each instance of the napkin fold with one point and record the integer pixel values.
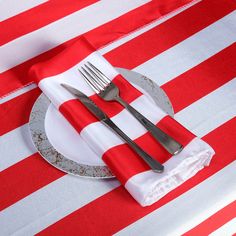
(141, 182)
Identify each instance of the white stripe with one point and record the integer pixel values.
(148, 187)
(177, 59)
(15, 146)
(174, 54)
(92, 133)
(63, 30)
(34, 213)
(99, 138)
(113, 45)
(189, 209)
(42, 216)
(205, 119)
(210, 111)
(142, 30)
(101, 143)
(51, 203)
(18, 93)
(9, 8)
(191, 51)
(51, 86)
(194, 121)
(227, 229)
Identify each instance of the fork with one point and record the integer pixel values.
(108, 91)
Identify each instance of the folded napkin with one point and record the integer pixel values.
(141, 182)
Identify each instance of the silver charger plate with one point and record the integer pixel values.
(52, 156)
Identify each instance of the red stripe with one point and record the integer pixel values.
(219, 70)
(19, 115)
(114, 55)
(26, 21)
(215, 221)
(16, 111)
(168, 34)
(38, 17)
(20, 103)
(80, 117)
(204, 78)
(125, 163)
(17, 76)
(120, 209)
(24, 178)
(190, 88)
(63, 61)
(123, 194)
(137, 18)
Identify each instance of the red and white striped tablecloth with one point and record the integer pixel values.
(187, 47)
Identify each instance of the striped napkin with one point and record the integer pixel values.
(141, 182)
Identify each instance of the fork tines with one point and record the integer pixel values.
(91, 72)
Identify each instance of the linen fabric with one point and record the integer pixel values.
(141, 182)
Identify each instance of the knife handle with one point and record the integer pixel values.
(170, 144)
(154, 164)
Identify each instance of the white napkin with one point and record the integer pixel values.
(141, 182)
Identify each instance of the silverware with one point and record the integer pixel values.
(95, 110)
(107, 90)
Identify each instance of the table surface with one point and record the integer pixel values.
(187, 47)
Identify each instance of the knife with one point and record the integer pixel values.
(102, 116)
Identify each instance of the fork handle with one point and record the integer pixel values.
(170, 144)
(152, 163)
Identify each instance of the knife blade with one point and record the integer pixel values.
(102, 116)
(87, 102)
